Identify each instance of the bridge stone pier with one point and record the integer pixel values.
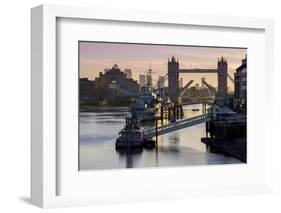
(173, 77)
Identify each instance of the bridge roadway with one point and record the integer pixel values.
(177, 125)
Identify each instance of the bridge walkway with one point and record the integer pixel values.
(177, 125)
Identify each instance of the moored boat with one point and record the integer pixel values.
(145, 107)
(131, 135)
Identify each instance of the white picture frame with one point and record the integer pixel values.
(44, 150)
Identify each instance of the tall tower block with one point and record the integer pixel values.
(222, 77)
(173, 79)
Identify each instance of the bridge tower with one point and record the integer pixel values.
(222, 77)
(173, 79)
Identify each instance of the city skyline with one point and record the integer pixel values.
(97, 56)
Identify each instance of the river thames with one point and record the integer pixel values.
(99, 130)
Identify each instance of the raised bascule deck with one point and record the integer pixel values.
(181, 124)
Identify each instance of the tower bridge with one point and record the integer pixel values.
(173, 77)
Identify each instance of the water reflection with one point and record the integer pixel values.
(99, 130)
(128, 155)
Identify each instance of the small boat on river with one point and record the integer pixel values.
(132, 136)
(195, 109)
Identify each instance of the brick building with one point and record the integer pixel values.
(108, 86)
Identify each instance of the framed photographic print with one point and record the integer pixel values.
(161, 124)
(131, 106)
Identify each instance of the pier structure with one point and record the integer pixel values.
(171, 111)
(226, 134)
(224, 126)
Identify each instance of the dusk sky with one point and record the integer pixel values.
(96, 56)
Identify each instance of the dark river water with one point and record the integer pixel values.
(99, 130)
